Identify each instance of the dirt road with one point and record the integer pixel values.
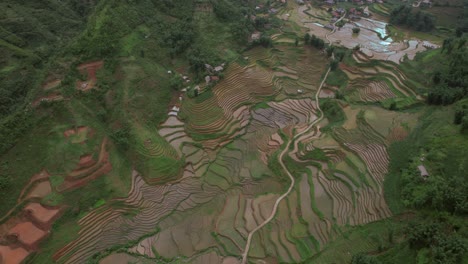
(280, 160)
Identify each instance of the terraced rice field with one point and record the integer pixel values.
(378, 82)
(229, 138)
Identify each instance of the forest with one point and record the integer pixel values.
(419, 20)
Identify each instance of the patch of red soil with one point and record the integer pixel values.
(77, 131)
(69, 132)
(9, 255)
(82, 175)
(397, 134)
(90, 70)
(44, 174)
(86, 161)
(41, 215)
(288, 130)
(40, 190)
(28, 234)
(49, 98)
(51, 84)
(41, 176)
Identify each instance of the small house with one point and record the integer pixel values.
(423, 171)
(255, 36)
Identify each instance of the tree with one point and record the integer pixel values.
(296, 42)
(330, 50)
(334, 65)
(464, 125)
(5, 182)
(306, 38)
(356, 30)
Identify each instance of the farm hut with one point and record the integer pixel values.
(423, 171)
(255, 36)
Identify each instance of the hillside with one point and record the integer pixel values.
(230, 131)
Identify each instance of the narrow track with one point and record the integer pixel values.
(280, 160)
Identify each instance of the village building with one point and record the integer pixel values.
(423, 172)
(255, 36)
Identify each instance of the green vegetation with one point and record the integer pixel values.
(404, 15)
(441, 196)
(451, 78)
(333, 112)
(223, 144)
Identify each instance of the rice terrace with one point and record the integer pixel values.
(233, 131)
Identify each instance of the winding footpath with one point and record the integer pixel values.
(285, 150)
(293, 181)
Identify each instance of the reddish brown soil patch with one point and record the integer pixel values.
(51, 84)
(397, 134)
(44, 174)
(10, 255)
(84, 174)
(40, 190)
(69, 132)
(49, 98)
(79, 134)
(40, 214)
(41, 176)
(90, 70)
(28, 234)
(86, 161)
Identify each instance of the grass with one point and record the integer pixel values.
(337, 78)
(367, 238)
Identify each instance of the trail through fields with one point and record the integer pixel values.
(280, 159)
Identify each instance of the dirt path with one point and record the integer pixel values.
(280, 159)
(334, 28)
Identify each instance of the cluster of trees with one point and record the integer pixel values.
(5, 179)
(314, 41)
(439, 232)
(333, 111)
(421, 21)
(438, 240)
(461, 117)
(450, 79)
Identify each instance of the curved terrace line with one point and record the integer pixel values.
(280, 160)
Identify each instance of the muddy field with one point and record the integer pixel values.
(373, 38)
